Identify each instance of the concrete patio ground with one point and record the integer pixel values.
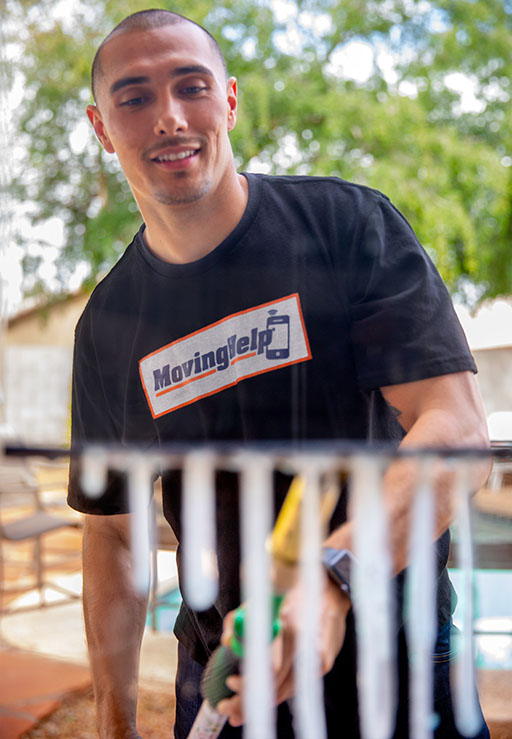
(32, 687)
(43, 653)
(43, 659)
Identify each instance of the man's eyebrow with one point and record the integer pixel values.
(125, 81)
(178, 72)
(191, 69)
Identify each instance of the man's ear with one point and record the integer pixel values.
(232, 102)
(94, 116)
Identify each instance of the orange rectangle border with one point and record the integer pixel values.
(268, 336)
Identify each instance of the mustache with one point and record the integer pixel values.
(171, 141)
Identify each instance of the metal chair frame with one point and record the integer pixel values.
(20, 484)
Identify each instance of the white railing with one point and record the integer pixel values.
(372, 586)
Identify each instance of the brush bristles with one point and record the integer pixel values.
(222, 663)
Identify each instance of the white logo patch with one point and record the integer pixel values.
(216, 357)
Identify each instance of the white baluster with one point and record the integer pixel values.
(308, 704)
(372, 601)
(421, 618)
(93, 472)
(256, 522)
(467, 714)
(139, 489)
(200, 584)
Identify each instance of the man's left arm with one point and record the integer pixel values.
(438, 412)
(444, 411)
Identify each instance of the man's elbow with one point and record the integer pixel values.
(475, 423)
(475, 435)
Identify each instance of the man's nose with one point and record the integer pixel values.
(171, 117)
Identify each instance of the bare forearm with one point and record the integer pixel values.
(114, 620)
(434, 429)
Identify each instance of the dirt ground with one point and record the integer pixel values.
(75, 717)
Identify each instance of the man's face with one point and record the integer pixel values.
(165, 108)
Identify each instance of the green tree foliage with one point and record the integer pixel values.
(402, 129)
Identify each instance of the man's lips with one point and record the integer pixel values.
(175, 156)
(171, 151)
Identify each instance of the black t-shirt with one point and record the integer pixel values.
(320, 296)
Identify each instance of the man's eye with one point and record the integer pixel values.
(133, 101)
(193, 89)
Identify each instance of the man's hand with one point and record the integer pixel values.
(334, 609)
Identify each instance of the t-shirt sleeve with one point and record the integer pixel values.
(404, 327)
(92, 422)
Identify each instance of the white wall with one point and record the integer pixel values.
(495, 378)
(37, 392)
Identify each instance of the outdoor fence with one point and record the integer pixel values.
(363, 468)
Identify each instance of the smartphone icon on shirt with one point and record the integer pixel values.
(279, 347)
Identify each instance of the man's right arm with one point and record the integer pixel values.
(114, 621)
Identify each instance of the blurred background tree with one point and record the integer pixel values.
(411, 97)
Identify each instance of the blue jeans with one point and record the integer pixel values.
(340, 695)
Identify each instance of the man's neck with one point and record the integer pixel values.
(186, 233)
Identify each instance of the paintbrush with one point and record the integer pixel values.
(284, 546)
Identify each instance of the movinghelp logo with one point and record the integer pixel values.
(241, 345)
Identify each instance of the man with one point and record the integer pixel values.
(248, 308)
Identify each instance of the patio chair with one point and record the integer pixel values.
(19, 488)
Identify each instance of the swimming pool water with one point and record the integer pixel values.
(166, 613)
(493, 617)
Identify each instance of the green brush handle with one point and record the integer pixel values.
(237, 639)
(224, 661)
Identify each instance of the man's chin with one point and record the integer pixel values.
(182, 196)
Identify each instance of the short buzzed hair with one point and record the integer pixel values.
(145, 20)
